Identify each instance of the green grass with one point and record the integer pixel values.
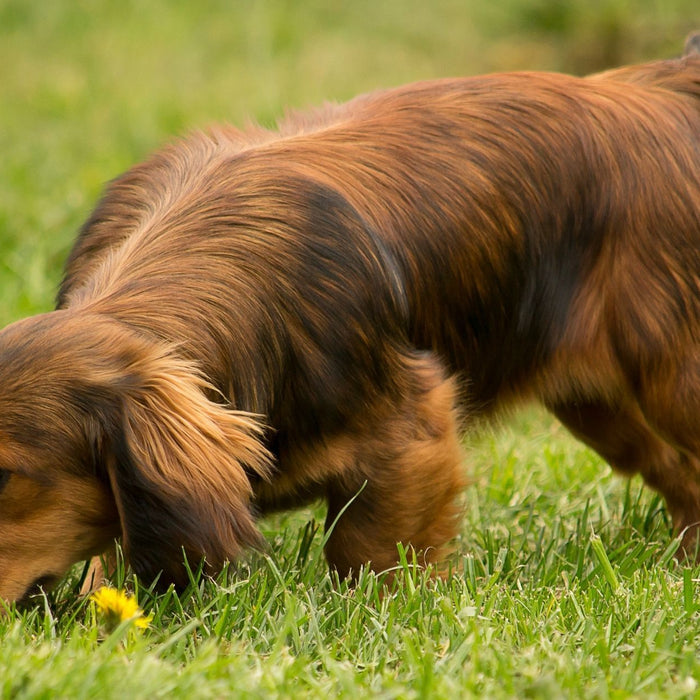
(529, 610)
(537, 605)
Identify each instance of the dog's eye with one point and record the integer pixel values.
(4, 478)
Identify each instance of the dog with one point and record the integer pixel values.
(253, 320)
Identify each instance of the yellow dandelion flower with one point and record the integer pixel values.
(116, 607)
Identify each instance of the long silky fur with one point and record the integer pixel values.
(253, 319)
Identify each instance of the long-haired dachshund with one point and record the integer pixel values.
(252, 320)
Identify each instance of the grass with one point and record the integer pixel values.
(531, 609)
(563, 581)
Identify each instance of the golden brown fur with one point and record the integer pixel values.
(252, 320)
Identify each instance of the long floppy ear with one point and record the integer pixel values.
(177, 465)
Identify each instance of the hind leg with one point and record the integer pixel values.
(670, 399)
(405, 480)
(625, 438)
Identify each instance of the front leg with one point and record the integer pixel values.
(100, 571)
(403, 479)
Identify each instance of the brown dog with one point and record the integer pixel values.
(250, 321)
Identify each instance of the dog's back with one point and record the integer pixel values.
(518, 192)
(531, 234)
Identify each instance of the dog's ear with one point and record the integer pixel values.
(178, 464)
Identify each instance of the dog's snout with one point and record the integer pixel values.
(43, 583)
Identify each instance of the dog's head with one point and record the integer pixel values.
(106, 433)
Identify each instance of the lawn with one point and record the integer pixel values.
(563, 580)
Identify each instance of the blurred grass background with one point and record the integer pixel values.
(87, 87)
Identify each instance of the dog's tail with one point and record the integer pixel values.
(692, 44)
